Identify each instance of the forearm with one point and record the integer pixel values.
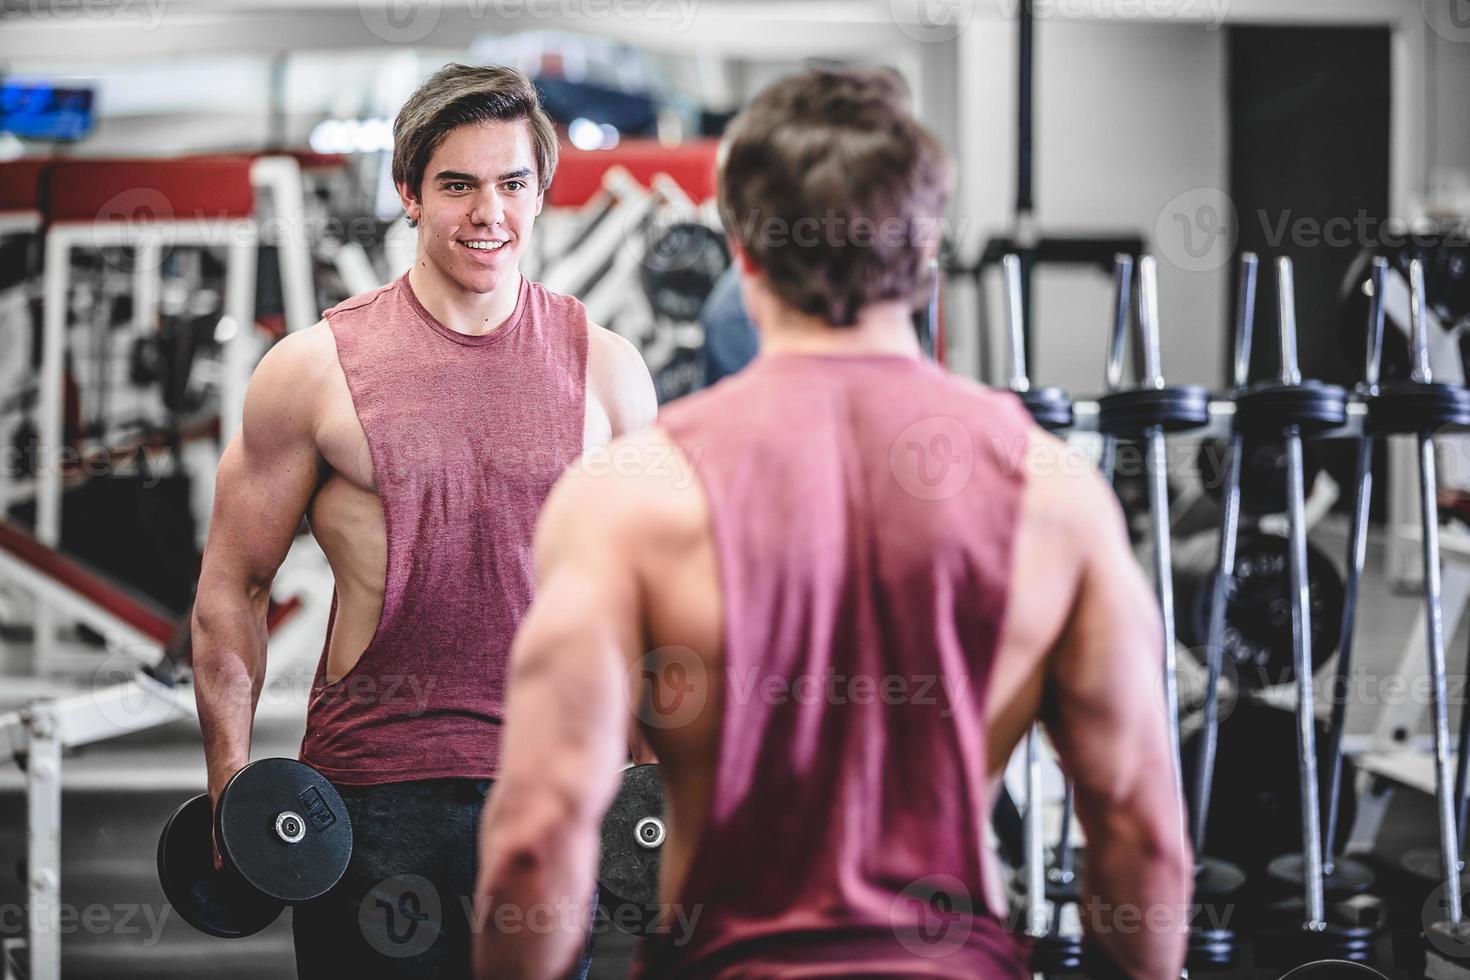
(1138, 889)
(229, 636)
(533, 900)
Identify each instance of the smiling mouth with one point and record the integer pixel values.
(483, 246)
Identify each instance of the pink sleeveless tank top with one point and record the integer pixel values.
(863, 510)
(467, 436)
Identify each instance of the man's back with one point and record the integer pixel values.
(823, 645)
(838, 616)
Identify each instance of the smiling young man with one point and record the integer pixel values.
(418, 428)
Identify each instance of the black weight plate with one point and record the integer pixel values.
(1423, 863)
(1269, 408)
(1127, 414)
(628, 871)
(214, 902)
(1408, 406)
(1255, 810)
(1214, 879)
(264, 807)
(1348, 877)
(1049, 407)
(680, 267)
(1056, 954)
(1262, 472)
(1285, 943)
(1212, 949)
(1258, 635)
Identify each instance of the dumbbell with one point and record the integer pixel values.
(1147, 413)
(1305, 929)
(1212, 943)
(1344, 877)
(1421, 407)
(284, 836)
(633, 834)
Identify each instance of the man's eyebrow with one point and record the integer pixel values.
(456, 175)
(523, 172)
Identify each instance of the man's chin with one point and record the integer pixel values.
(485, 280)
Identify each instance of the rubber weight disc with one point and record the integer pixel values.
(284, 829)
(218, 903)
(632, 839)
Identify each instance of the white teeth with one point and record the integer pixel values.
(483, 246)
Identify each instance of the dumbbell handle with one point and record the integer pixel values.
(1148, 320)
(1122, 306)
(1357, 552)
(1286, 316)
(1245, 317)
(1015, 322)
(1418, 333)
(1376, 309)
(1306, 720)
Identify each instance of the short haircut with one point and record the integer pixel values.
(834, 190)
(461, 95)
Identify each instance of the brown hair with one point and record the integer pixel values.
(461, 95)
(828, 183)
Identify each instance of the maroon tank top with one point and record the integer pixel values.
(863, 511)
(467, 436)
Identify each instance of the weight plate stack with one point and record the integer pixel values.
(1403, 407)
(1353, 928)
(1214, 943)
(1175, 408)
(1269, 408)
(1051, 408)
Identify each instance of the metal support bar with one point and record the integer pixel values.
(43, 840)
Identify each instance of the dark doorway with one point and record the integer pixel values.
(1309, 145)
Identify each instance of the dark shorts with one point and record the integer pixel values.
(403, 907)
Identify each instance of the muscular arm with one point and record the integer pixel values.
(1105, 713)
(265, 479)
(618, 377)
(566, 716)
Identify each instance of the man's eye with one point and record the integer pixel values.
(457, 186)
(515, 185)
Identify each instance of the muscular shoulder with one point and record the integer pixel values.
(618, 378)
(1065, 498)
(285, 393)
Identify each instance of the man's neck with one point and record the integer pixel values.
(888, 329)
(472, 314)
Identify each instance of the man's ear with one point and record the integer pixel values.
(540, 201)
(411, 204)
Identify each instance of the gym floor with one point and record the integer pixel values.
(117, 794)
